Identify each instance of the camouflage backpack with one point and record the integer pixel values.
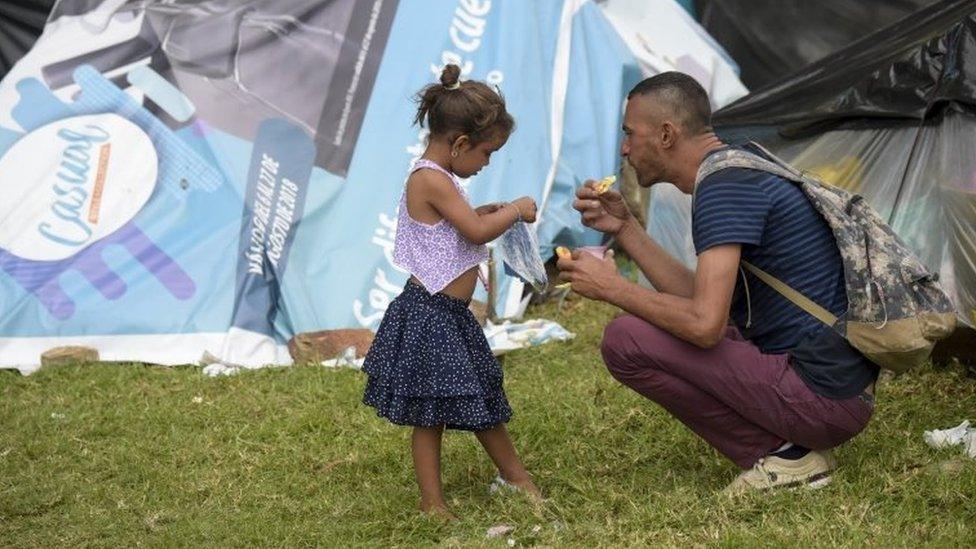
(896, 308)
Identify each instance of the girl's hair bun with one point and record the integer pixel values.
(450, 75)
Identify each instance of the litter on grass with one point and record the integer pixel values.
(509, 336)
(502, 338)
(961, 434)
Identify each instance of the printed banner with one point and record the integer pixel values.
(215, 177)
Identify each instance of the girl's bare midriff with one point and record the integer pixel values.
(461, 287)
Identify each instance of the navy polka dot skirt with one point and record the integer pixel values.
(430, 365)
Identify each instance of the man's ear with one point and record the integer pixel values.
(461, 144)
(669, 134)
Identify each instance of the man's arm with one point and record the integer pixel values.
(607, 212)
(700, 318)
(667, 274)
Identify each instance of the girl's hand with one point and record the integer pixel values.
(526, 208)
(488, 208)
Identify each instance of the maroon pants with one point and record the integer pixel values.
(741, 401)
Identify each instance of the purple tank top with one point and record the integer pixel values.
(435, 254)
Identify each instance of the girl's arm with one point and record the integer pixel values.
(485, 209)
(443, 197)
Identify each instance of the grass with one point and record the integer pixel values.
(128, 455)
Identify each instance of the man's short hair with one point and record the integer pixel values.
(682, 96)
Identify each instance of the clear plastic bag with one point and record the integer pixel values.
(519, 250)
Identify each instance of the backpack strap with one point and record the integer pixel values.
(798, 299)
(777, 160)
(733, 158)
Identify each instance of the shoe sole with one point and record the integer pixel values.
(813, 483)
(818, 481)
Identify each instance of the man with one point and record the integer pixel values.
(773, 395)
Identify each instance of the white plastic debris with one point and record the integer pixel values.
(346, 359)
(961, 434)
(944, 438)
(213, 366)
(218, 369)
(510, 336)
(499, 530)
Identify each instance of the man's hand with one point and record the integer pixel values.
(590, 277)
(606, 212)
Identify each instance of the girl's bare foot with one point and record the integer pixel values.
(437, 511)
(512, 473)
(528, 487)
(524, 485)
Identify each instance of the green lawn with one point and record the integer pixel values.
(129, 455)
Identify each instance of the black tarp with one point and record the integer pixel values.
(891, 117)
(772, 38)
(921, 63)
(21, 22)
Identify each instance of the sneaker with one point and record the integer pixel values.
(812, 471)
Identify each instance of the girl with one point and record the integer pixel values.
(430, 366)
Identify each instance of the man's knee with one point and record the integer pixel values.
(621, 346)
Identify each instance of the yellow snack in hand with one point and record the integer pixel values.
(563, 252)
(604, 184)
